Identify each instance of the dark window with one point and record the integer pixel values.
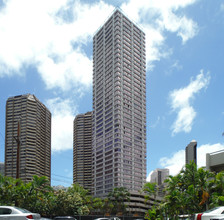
(5, 211)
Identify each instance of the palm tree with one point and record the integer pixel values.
(150, 189)
(119, 196)
(217, 190)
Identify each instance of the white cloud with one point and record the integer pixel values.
(53, 35)
(73, 72)
(50, 35)
(148, 179)
(156, 17)
(155, 124)
(177, 161)
(181, 103)
(63, 114)
(222, 7)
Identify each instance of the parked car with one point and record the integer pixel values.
(217, 218)
(215, 213)
(114, 218)
(65, 218)
(12, 212)
(101, 219)
(186, 217)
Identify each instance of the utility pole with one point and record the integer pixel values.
(17, 138)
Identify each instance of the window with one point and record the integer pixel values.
(5, 211)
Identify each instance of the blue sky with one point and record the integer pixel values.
(46, 50)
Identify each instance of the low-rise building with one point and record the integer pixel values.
(215, 161)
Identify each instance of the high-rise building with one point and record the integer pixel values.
(158, 176)
(82, 150)
(191, 152)
(28, 125)
(119, 106)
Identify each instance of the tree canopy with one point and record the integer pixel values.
(190, 191)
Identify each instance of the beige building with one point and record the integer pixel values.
(82, 150)
(34, 120)
(158, 176)
(119, 106)
(215, 161)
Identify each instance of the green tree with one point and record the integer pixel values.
(9, 190)
(189, 187)
(119, 196)
(217, 190)
(71, 202)
(108, 206)
(150, 190)
(97, 205)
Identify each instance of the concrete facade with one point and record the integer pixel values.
(2, 168)
(35, 138)
(158, 176)
(119, 106)
(215, 161)
(191, 152)
(82, 150)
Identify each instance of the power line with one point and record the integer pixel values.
(53, 174)
(1, 135)
(62, 181)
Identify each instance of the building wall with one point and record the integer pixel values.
(2, 169)
(119, 106)
(35, 137)
(215, 161)
(191, 152)
(159, 175)
(82, 150)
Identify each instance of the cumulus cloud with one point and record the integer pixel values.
(54, 37)
(156, 17)
(177, 160)
(50, 36)
(148, 179)
(63, 114)
(181, 103)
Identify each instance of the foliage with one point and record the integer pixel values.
(96, 206)
(119, 196)
(38, 196)
(191, 191)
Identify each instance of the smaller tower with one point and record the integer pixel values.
(82, 150)
(27, 138)
(158, 176)
(191, 152)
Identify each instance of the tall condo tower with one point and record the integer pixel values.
(82, 150)
(119, 106)
(28, 121)
(191, 152)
